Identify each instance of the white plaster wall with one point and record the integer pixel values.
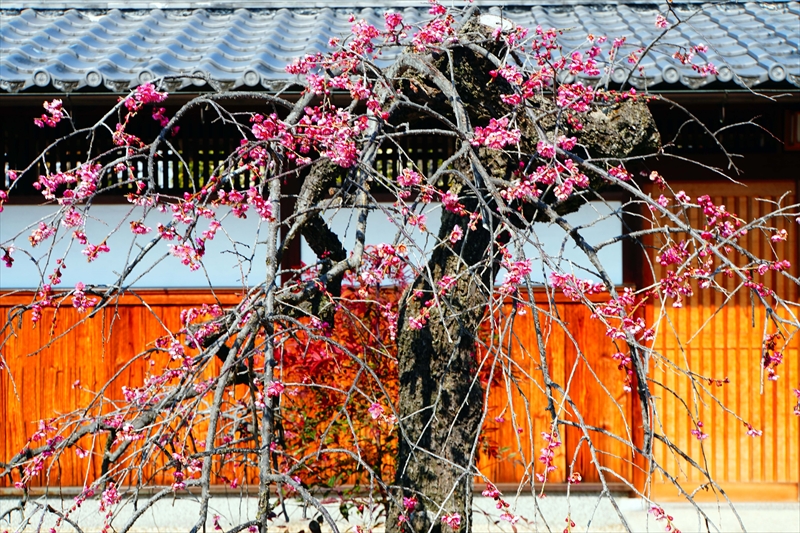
(222, 267)
(226, 261)
(545, 240)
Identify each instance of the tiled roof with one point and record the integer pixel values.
(750, 43)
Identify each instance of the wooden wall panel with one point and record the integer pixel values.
(578, 356)
(577, 352)
(45, 362)
(725, 341)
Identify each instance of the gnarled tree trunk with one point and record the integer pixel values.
(441, 397)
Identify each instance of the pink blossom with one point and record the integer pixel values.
(545, 149)
(302, 65)
(451, 203)
(456, 234)
(510, 518)
(409, 503)
(72, 218)
(515, 274)
(751, 432)
(446, 283)
(363, 34)
(496, 135)
(84, 178)
(698, 432)
(576, 97)
(491, 491)
(79, 299)
(144, 94)
(797, 407)
(275, 388)
(56, 113)
(779, 236)
(673, 255)
(511, 99)
(417, 322)
(658, 179)
(41, 233)
(109, 498)
(409, 178)
(436, 8)
(375, 410)
(453, 520)
(572, 287)
(620, 173)
(547, 454)
(661, 21)
(418, 220)
(91, 251)
(268, 128)
(188, 255)
(393, 21)
(566, 143)
(509, 73)
(138, 228)
(262, 206)
(7, 259)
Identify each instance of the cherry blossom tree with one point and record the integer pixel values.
(373, 365)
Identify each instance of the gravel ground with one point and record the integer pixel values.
(179, 515)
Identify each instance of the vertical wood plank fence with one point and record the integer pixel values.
(723, 339)
(46, 362)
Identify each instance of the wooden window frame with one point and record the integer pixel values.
(792, 134)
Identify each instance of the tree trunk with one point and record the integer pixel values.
(441, 397)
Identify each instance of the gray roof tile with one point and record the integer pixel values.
(750, 43)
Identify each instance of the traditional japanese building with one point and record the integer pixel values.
(90, 53)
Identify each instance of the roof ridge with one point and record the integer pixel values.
(750, 43)
(306, 4)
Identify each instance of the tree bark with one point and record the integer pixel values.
(441, 397)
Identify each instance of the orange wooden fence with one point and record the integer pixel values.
(51, 368)
(45, 362)
(721, 341)
(578, 356)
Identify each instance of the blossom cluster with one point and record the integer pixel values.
(516, 273)
(686, 58)
(81, 183)
(145, 93)
(660, 515)
(497, 135)
(547, 455)
(79, 299)
(501, 504)
(772, 356)
(452, 520)
(619, 314)
(55, 110)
